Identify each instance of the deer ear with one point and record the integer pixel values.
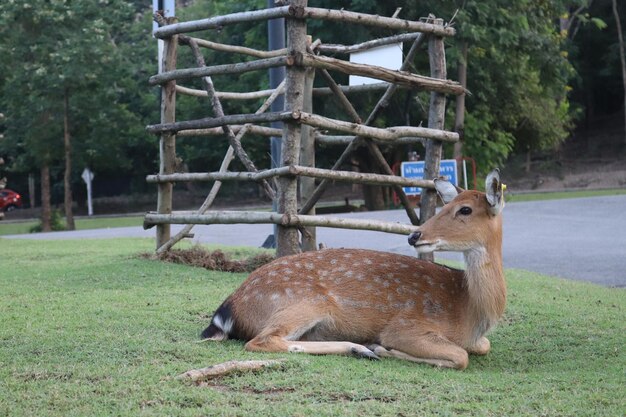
(495, 192)
(446, 190)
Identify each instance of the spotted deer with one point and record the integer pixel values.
(375, 304)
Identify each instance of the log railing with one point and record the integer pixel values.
(300, 57)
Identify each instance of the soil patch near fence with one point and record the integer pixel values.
(213, 260)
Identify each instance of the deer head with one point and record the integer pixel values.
(469, 219)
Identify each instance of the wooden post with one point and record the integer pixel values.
(287, 240)
(167, 143)
(436, 117)
(307, 158)
(459, 116)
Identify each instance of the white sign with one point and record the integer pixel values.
(387, 56)
(87, 176)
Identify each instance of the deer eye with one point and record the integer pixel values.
(466, 211)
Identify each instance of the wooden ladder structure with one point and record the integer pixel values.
(302, 59)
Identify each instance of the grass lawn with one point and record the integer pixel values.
(562, 194)
(89, 329)
(81, 224)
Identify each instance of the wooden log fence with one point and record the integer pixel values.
(397, 77)
(293, 171)
(380, 105)
(167, 142)
(387, 134)
(364, 46)
(218, 131)
(238, 68)
(208, 122)
(285, 220)
(300, 12)
(382, 134)
(318, 91)
(299, 58)
(228, 158)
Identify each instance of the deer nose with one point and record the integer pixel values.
(414, 237)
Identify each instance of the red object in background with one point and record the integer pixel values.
(9, 200)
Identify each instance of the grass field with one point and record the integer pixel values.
(559, 195)
(89, 328)
(10, 228)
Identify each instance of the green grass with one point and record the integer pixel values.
(81, 224)
(88, 328)
(559, 195)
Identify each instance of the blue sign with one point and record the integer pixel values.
(447, 169)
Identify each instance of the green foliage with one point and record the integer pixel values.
(82, 48)
(57, 223)
(90, 328)
(102, 52)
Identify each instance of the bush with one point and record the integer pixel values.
(56, 223)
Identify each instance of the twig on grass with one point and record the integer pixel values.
(226, 368)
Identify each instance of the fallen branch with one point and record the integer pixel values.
(226, 368)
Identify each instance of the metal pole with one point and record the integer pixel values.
(276, 40)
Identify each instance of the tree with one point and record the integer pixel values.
(621, 57)
(65, 62)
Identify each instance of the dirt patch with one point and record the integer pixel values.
(213, 260)
(593, 158)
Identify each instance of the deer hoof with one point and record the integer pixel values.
(378, 350)
(364, 353)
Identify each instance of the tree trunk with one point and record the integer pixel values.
(67, 178)
(621, 57)
(46, 209)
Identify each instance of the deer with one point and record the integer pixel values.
(373, 304)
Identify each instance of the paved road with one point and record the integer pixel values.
(581, 239)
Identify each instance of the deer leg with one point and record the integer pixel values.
(482, 347)
(332, 348)
(283, 331)
(430, 348)
(274, 343)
